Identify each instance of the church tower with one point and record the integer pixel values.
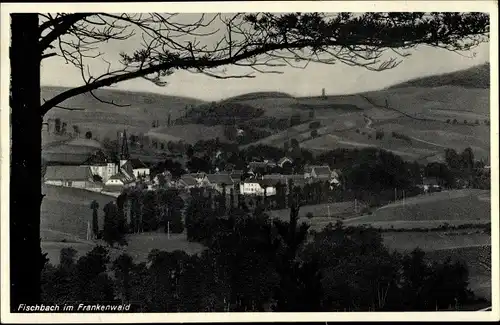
(124, 155)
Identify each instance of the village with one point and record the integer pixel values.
(101, 173)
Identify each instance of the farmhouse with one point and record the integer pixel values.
(70, 176)
(219, 182)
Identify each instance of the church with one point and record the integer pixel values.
(121, 173)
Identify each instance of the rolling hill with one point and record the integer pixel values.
(419, 108)
(104, 120)
(438, 112)
(475, 77)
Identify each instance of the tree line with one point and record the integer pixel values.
(255, 264)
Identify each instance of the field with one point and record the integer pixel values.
(462, 95)
(139, 246)
(432, 210)
(104, 120)
(190, 133)
(350, 121)
(323, 213)
(65, 212)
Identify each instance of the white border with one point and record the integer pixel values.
(291, 6)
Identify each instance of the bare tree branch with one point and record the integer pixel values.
(261, 42)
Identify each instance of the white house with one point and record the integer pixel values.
(70, 176)
(258, 187)
(101, 166)
(139, 168)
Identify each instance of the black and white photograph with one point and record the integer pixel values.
(283, 158)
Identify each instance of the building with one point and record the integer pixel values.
(70, 176)
(139, 168)
(187, 181)
(258, 187)
(219, 182)
(236, 175)
(101, 165)
(430, 184)
(283, 161)
(320, 173)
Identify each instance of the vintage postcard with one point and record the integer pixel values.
(243, 161)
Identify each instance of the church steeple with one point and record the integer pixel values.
(124, 152)
(124, 155)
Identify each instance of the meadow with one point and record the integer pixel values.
(453, 207)
(104, 120)
(66, 211)
(189, 133)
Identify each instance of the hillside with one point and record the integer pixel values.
(475, 77)
(259, 95)
(104, 120)
(434, 113)
(427, 211)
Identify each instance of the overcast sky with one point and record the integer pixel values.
(336, 79)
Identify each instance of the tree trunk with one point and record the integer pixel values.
(26, 259)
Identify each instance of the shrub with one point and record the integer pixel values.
(448, 121)
(357, 131)
(379, 134)
(465, 121)
(455, 121)
(314, 133)
(309, 215)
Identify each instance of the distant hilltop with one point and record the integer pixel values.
(475, 77)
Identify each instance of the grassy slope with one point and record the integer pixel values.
(432, 210)
(66, 211)
(436, 98)
(105, 119)
(475, 77)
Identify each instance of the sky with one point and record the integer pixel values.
(336, 79)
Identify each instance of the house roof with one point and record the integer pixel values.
(122, 178)
(188, 180)
(137, 163)
(98, 158)
(319, 170)
(269, 182)
(196, 175)
(127, 170)
(68, 173)
(257, 164)
(282, 160)
(220, 179)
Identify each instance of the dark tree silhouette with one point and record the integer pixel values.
(261, 42)
(95, 222)
(88, 135)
